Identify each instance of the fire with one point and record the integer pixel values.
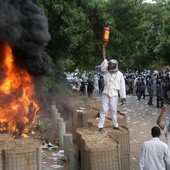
(18, 107)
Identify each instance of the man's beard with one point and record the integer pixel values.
(112, 71)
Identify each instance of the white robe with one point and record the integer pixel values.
(113, 82)
(155, 155)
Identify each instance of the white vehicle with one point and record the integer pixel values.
(70, 78)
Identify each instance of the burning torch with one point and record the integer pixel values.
(105, 39)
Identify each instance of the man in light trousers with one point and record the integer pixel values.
(114, 86)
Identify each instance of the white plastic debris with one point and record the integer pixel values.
(84, 108)
(154, 114)
(80, 111)
(134, 159)
(56, 166)
(59, 156)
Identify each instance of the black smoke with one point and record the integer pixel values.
(24, 26)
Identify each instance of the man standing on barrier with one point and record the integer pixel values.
(114, 85)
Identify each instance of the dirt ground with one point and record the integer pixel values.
(140, 119)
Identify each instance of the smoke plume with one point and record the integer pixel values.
(24, 26)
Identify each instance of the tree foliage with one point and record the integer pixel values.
(139, 38)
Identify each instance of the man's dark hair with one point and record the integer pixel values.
(155, 131)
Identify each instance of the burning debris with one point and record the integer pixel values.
(23, 36)
(17, 93)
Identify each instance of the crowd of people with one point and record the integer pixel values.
(155, 84)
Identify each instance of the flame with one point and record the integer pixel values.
(18, 107)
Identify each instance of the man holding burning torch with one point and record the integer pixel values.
(114, 85)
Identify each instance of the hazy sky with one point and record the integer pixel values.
(148, 0)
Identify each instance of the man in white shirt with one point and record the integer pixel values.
(155, 154)
(114, 85)
(164, 126)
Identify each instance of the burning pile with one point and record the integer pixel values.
(18, 106)
(23, 36)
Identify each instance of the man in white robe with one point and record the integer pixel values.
(155, 154)
(114, 85)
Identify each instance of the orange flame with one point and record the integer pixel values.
(18, 107)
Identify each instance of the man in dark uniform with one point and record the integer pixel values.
(159, 94)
